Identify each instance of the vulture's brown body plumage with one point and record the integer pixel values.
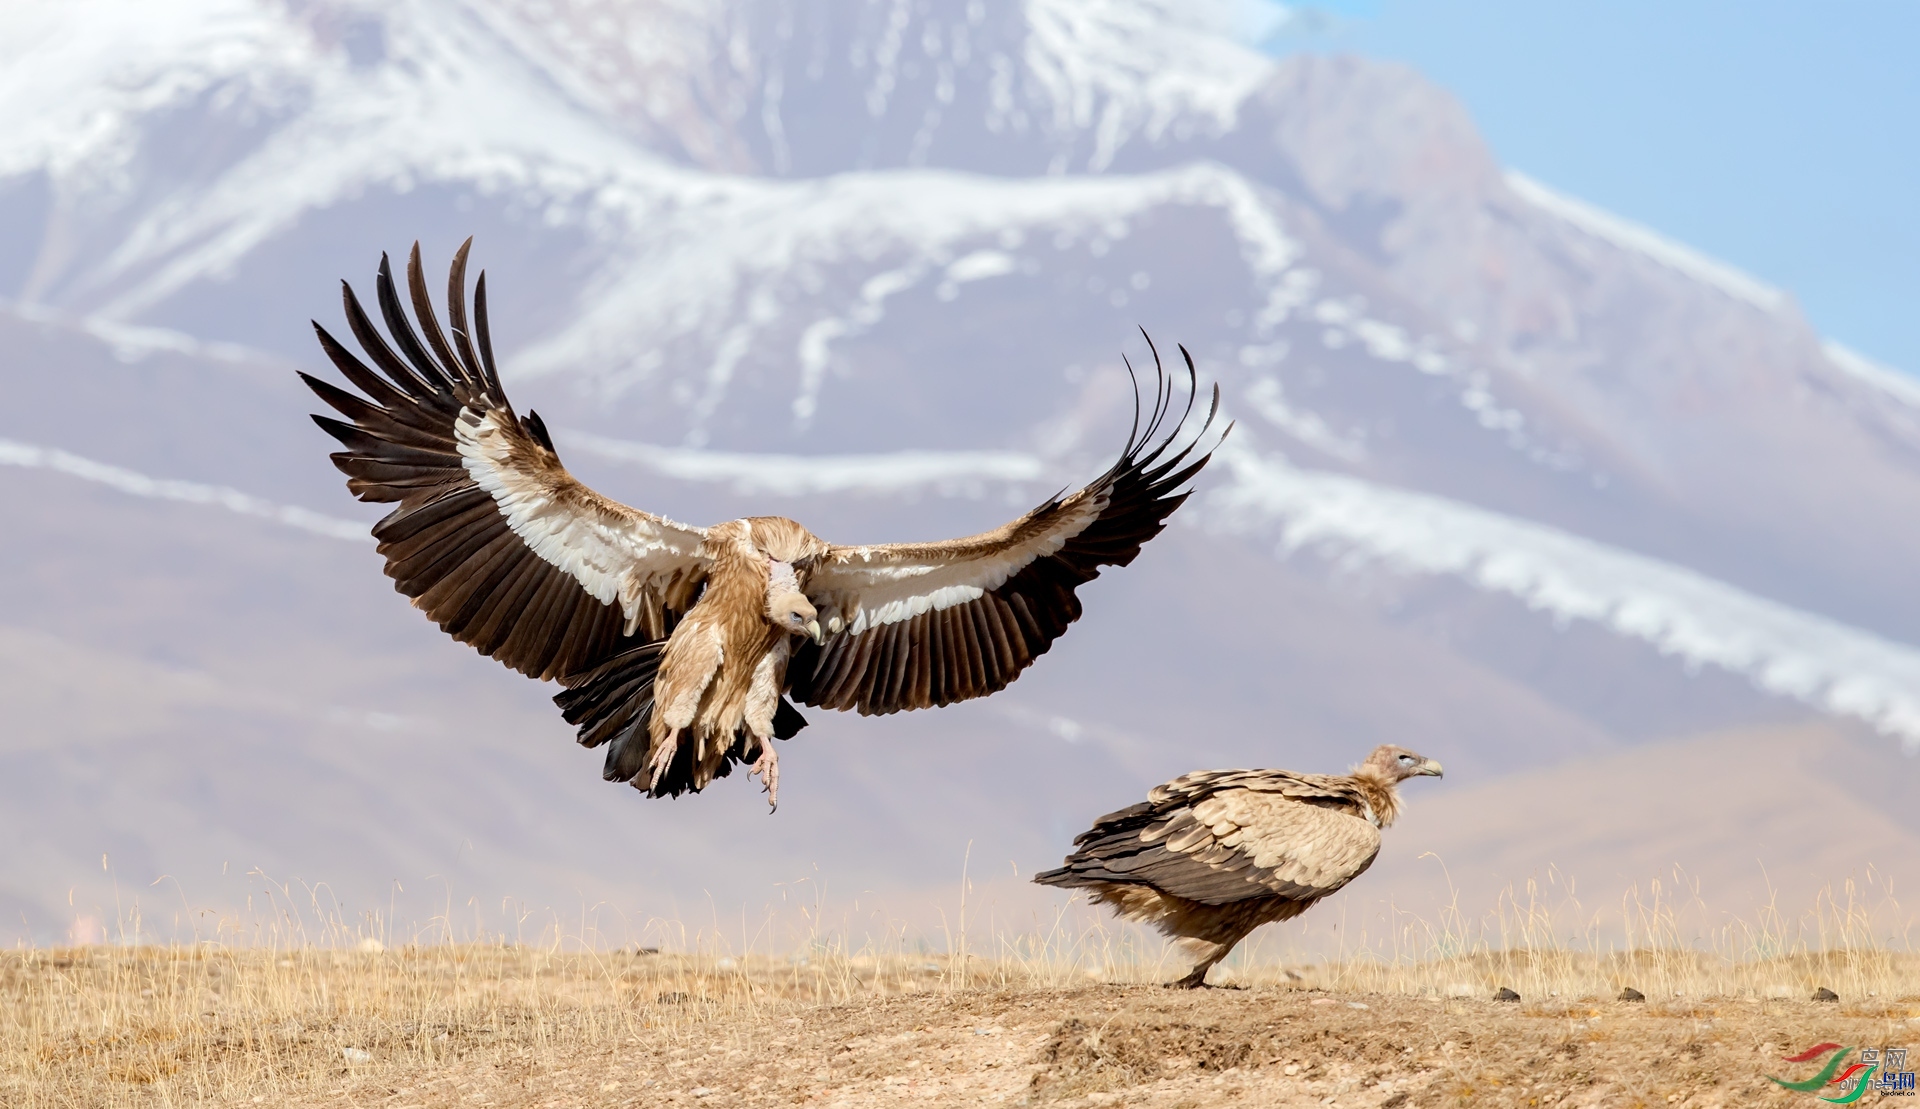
(1210, 856)
(683, 649)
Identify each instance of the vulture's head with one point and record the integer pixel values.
(795, 615)
(787, 607)
(1397, 764)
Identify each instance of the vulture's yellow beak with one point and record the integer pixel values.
(818, 636)
(1431, 769)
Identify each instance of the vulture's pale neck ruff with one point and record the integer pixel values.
(1378, 780)
(755, 603)
(1381, 795)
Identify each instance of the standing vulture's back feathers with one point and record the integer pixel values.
(1218, 837)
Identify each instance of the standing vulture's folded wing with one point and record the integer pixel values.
(933, 623)
(1221, 837)
(493, 538)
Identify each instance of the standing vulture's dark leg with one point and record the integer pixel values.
(1205, 953)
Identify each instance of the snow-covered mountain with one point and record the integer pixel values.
(1515, 481)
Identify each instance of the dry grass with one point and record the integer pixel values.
(89, 1026)
(265, 1016)
(1856, 941)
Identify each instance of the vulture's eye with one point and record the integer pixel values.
(1406, 760)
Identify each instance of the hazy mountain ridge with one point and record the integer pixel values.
(873, 265)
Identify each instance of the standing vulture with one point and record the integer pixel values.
(682, 649)
(1212, 855)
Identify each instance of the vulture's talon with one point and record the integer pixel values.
(662, 760)
(767, 768)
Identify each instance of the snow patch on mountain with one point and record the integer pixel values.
(962, 473)
(731, 259)
(1883, 378)
(29, 456)
(1268, 398)
(1126, 67)
(1817, 661)
(131, 343)
(462, 94)
(1643, 240)
(477, 113)
(79, 78)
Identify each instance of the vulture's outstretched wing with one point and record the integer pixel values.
(493, 538)
(1218, 837)
(933, 623)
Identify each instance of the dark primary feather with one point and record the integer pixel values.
(970, 650)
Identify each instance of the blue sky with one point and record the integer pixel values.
(1782, 138)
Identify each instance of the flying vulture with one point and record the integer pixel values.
(683, 649)
(1212, 855)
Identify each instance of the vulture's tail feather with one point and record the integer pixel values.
(613, 702)
(1114, 833)
(627, 754)
(1062, 876)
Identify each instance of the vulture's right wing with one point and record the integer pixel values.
(929, 624)
(493, 538)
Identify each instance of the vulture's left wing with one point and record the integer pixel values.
(925, 624)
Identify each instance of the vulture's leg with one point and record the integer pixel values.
(763, 701)
(1205, 954)
(767, 766)
(693, 656)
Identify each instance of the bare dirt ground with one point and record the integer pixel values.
(1145, 1046)
(518, 1030)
